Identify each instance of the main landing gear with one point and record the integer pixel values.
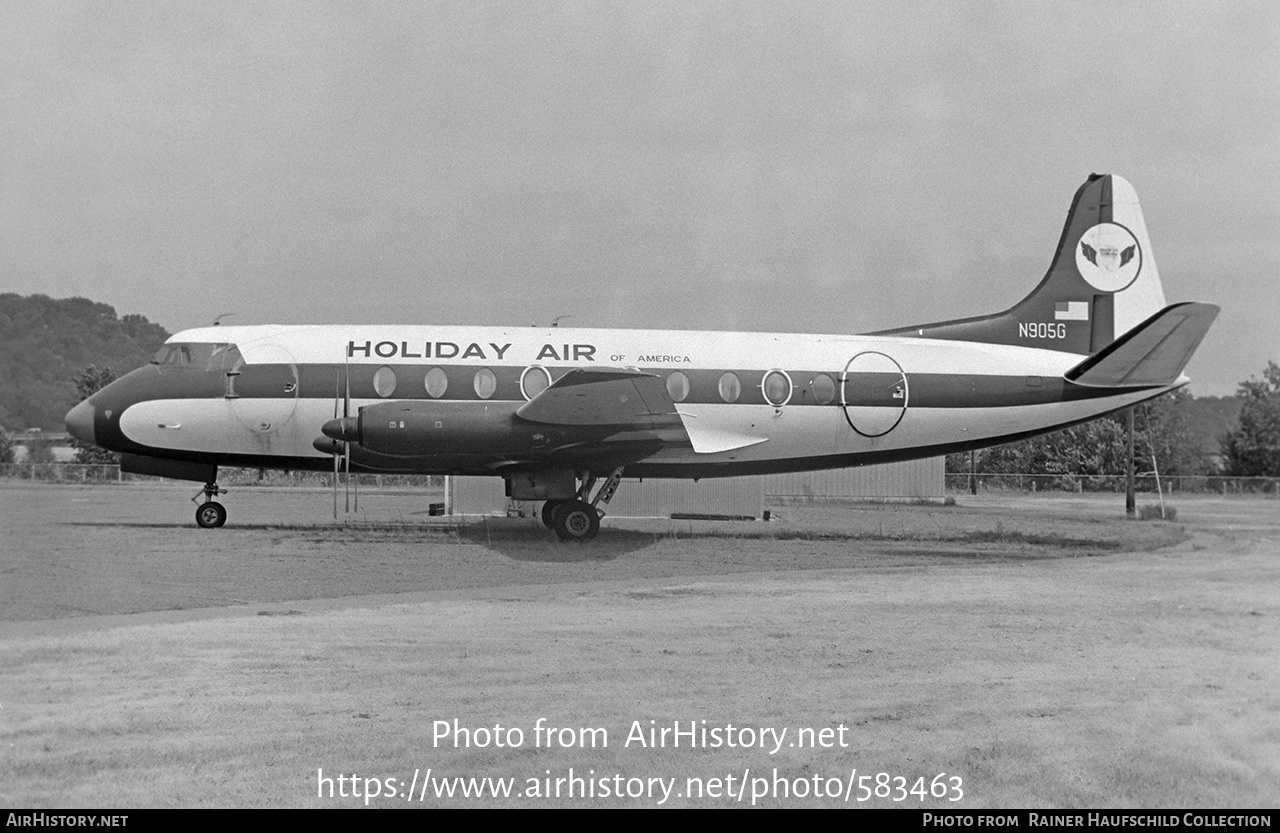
(573, 520)
(210, 514)
(578, 521)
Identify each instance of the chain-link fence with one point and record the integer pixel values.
(64, 472)
(89, 473)
(956, 483)
(1199, 484)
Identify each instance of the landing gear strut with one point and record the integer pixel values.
(210, 514)
(578, 521)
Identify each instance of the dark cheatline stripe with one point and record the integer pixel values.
(924, 390)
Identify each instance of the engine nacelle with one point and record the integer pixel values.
(415, 429)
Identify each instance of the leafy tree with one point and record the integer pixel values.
(40, 450)
(1252, 448)
(1163, 427)
(1092, 448)
(42, 342)
(6, 447)
(1167, 428)
(89, 381)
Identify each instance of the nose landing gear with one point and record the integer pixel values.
(210, 514)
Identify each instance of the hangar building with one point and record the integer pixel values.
(737, 497)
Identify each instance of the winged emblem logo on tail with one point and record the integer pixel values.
(1108, 257)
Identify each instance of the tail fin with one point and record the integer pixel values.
(1102, 283)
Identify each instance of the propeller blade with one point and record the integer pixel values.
(346, 446)
(336, 389)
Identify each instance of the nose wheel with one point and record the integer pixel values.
(210, 514)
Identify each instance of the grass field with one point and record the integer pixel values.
(1042, 649)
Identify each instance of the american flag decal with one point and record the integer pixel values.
(1071, 310)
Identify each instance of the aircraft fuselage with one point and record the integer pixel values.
(766, 402)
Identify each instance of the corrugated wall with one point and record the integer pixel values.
(475, 496)
(733, 496)
(730, 496)
(916, 478)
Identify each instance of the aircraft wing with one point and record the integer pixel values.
(606, 397)
(629, 400)
(707, 439)
(1152, 353)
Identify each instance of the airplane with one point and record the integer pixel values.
(562, 413)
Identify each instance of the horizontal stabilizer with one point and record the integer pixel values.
(711, 440)
(603, 398)
(1153, 353)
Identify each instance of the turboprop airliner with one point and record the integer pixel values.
(562, 414)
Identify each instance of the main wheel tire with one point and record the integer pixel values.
(211, 515)
(577, 522)
(549, 513)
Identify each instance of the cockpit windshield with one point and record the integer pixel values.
(197, 356)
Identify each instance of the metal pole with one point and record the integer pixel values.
(1130, 504)
(973, 472)
(1155, 469)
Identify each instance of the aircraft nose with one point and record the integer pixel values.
(79, 422)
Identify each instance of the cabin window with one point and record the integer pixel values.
(534, 381)
(384, 382)
(485, 383)
(776, 387)
(730, 387)
(824, 389)
(437, 382)
(678, 386)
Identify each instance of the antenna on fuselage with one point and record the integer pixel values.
(218, 320)
(555, 322)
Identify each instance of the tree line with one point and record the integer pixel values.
(1173, 434)
(45, 343)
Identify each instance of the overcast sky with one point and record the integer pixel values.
(810, 167)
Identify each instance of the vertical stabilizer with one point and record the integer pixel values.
(1102, 282)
